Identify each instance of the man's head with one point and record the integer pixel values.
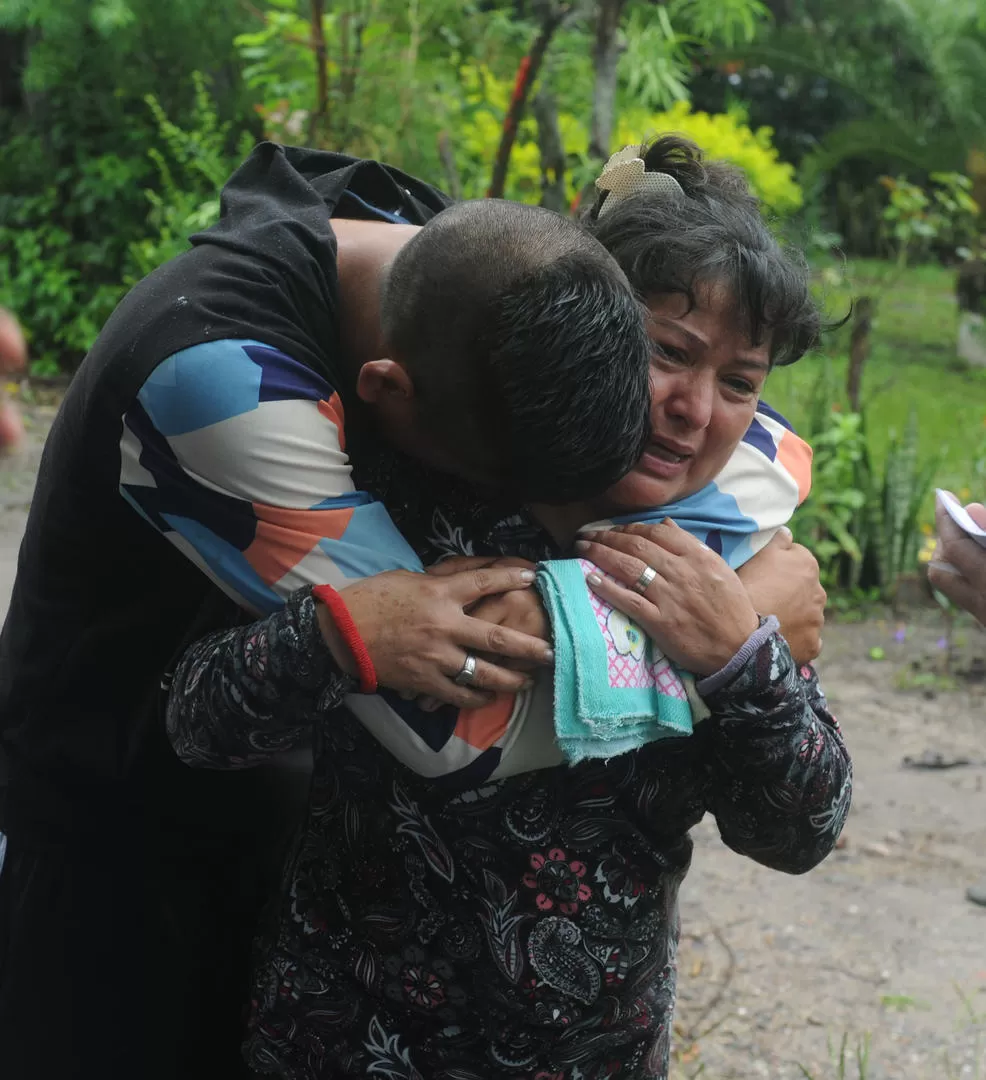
(519, 352)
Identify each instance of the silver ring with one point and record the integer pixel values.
(643, 583)
(467, 674)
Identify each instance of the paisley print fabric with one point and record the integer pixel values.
(240, 690)
(523, 930)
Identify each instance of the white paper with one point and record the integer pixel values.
(958, 513)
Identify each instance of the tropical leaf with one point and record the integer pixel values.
(888, 137)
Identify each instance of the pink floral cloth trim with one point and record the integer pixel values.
(634, 662)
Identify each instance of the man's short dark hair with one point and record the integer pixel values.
(527, 348)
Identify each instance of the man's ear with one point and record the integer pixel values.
(383, 382)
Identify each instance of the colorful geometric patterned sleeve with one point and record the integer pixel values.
(767, 476)
(780, 776)
(236, 453)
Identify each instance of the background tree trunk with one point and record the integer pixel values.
(447, 157)
(605, 57)
(553, 161)
(318, 121)
(859, 348)
(12, 50)
(527, 73)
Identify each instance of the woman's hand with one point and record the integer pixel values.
(782, 580)
(696, 609)
(958, 568)
(417, 630)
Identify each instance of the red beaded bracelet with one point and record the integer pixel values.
(350, 635)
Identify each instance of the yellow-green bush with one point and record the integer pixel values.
(477, 136)
(724, 136)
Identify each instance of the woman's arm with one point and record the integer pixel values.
(240, 695)
(777, 773)
(779, 776)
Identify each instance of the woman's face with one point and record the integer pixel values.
(706, 379)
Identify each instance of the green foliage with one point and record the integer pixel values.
(892, 85)
(477, 133)
(43, 270)
(44, 263)
(725, 22)
(74, 149)
(911, 367)
(895, 494)
(463, 87)
(847, 1063)
(832, 513)
(655, 64)
(915, 218)
(725, 136)
(664, 41)
(863, 517)
(923, 99)
(192, 166)
(391, 73)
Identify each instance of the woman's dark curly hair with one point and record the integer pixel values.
(714, 236)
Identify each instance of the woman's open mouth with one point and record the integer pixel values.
(665, 460)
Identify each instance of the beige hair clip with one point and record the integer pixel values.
(626, 175)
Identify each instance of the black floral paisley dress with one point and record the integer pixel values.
(523, 930)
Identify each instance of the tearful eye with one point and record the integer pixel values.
(669, 352)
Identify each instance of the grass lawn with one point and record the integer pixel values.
(912, 365)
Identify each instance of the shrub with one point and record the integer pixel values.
(862, 519)
(723, 136)
(192, 165)
(60, 258)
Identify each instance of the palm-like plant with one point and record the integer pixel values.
(923, 97)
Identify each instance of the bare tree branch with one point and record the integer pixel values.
(411, 60)
(605, 57)
(553, 159)
(447, 158)
(527, 72)
(318, 121)
(859, 348)
(351, 60)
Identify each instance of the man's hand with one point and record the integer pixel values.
(958, 568)
(521, 609)
(418, 630)
(13, 354)
(782, 580)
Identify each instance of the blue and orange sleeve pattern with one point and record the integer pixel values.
(237, 454)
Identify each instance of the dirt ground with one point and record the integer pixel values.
(879, 943)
